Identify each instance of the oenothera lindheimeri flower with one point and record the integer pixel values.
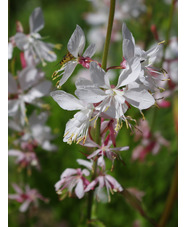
(74, 56)
(104, 180)
(77, 127)
(149, 142)
(25, 158)
(33, 41)
(146, 58)
(27, 197)
(26, 88)
(74, 178)
(112, 100)
(105, 150)
(36, 131)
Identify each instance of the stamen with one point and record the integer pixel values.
(161, 42)
(143, 116)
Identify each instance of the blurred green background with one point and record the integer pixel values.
(153, 176)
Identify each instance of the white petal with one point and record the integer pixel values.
(76, 43)
(68, 172)
(140, 99)
(21, 41)
(130, 74)
(24, 206)
(36, 20)
(93, 95)
(40, 90)
(90, 51)
(69, 68)
(83, 83)
(66, 101)
(128, 43)
(85, 163)
(79, 190)
(97, 75)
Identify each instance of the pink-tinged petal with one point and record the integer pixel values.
(120, 148)
(25, 206)
(36, 20)
(17, 188)
(91, 185)
(94, 154)
(68, 70)
(79, 190)
(114, 183)
(137, 152)
(66, 100)
(76, 43)
(59, 184)
(68, 172)
(85, 163)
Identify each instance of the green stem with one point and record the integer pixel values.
(108, 36)
(170, 199)
(98, 123)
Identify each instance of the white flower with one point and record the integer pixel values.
(112, 101)
(146, 58)
(75, 48)
(74, 178)
(33, 41)
(107, 181)
(29, 87)
(77, 127)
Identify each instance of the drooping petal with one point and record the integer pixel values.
(36, 20)
(79, 190)
(69, 68)
(66, 101)
(76, 43)
(24, 206)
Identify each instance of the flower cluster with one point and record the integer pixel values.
(25, 91)
(97, 98)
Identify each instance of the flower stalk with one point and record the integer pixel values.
(98, 123)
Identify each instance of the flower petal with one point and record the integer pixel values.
(66, 101)
(76, 43)
(69, 68)
(139, 98)
(36, 20)
(79, 190)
